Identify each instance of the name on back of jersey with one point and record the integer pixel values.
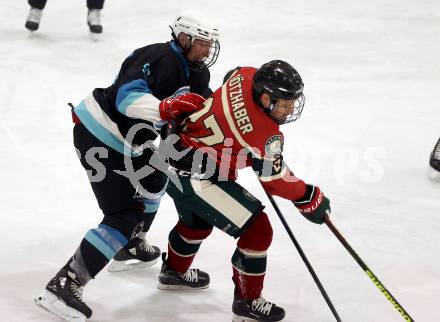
(238, 106)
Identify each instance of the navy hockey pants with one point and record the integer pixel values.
(113, 191)
(125, 211)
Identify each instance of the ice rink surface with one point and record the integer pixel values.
(372, 78)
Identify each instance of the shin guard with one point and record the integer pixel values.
(95, 251)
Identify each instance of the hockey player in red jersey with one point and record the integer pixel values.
(238, 127)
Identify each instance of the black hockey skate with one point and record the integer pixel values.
(256, 310)
(33, 19)
(193, 279)
(136, 254)
(434, 163)
(94, 21)
(63, 297)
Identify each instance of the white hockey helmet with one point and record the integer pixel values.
(198, 25)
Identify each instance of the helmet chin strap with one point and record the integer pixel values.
(177, 41)
(268, 110)
(192, 64)
(185, 50)
(188, 49)
(191, 42)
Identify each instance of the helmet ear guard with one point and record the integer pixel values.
(280, 81)
(198, 25)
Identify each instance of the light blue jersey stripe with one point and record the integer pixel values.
(151, 205)
(182, 59)
(128, 101)
(114, 233)
(99, 244)
(129, 93)
(100, 132)
(106, 239)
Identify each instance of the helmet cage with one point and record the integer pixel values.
(281, 115)
(214, 51)
(284, 86)
(209, 60)
(197, 25)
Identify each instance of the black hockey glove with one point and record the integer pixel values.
(314, 205)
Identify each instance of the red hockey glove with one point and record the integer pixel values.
(180, 106)
(314, 205)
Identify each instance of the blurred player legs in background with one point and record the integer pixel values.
(93, 16)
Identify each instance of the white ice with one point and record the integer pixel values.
(372, 82)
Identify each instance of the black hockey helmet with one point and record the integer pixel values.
(279, 80)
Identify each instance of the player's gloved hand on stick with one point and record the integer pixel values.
(181, 106)
(314, 205)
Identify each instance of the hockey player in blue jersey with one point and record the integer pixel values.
(155, 83)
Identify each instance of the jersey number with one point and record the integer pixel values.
(210, 123)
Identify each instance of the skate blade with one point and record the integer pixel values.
(54, 305)
(122, 266)
(238, 318)
(166, 287)
(433, 174)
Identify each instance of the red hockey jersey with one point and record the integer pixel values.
(235, 132)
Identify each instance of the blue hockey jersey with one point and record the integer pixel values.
(149, 75)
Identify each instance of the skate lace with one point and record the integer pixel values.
(94, 17)
(261, 305)
(143, 245)
(77, 290)
(191, 275)
(35, 15)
